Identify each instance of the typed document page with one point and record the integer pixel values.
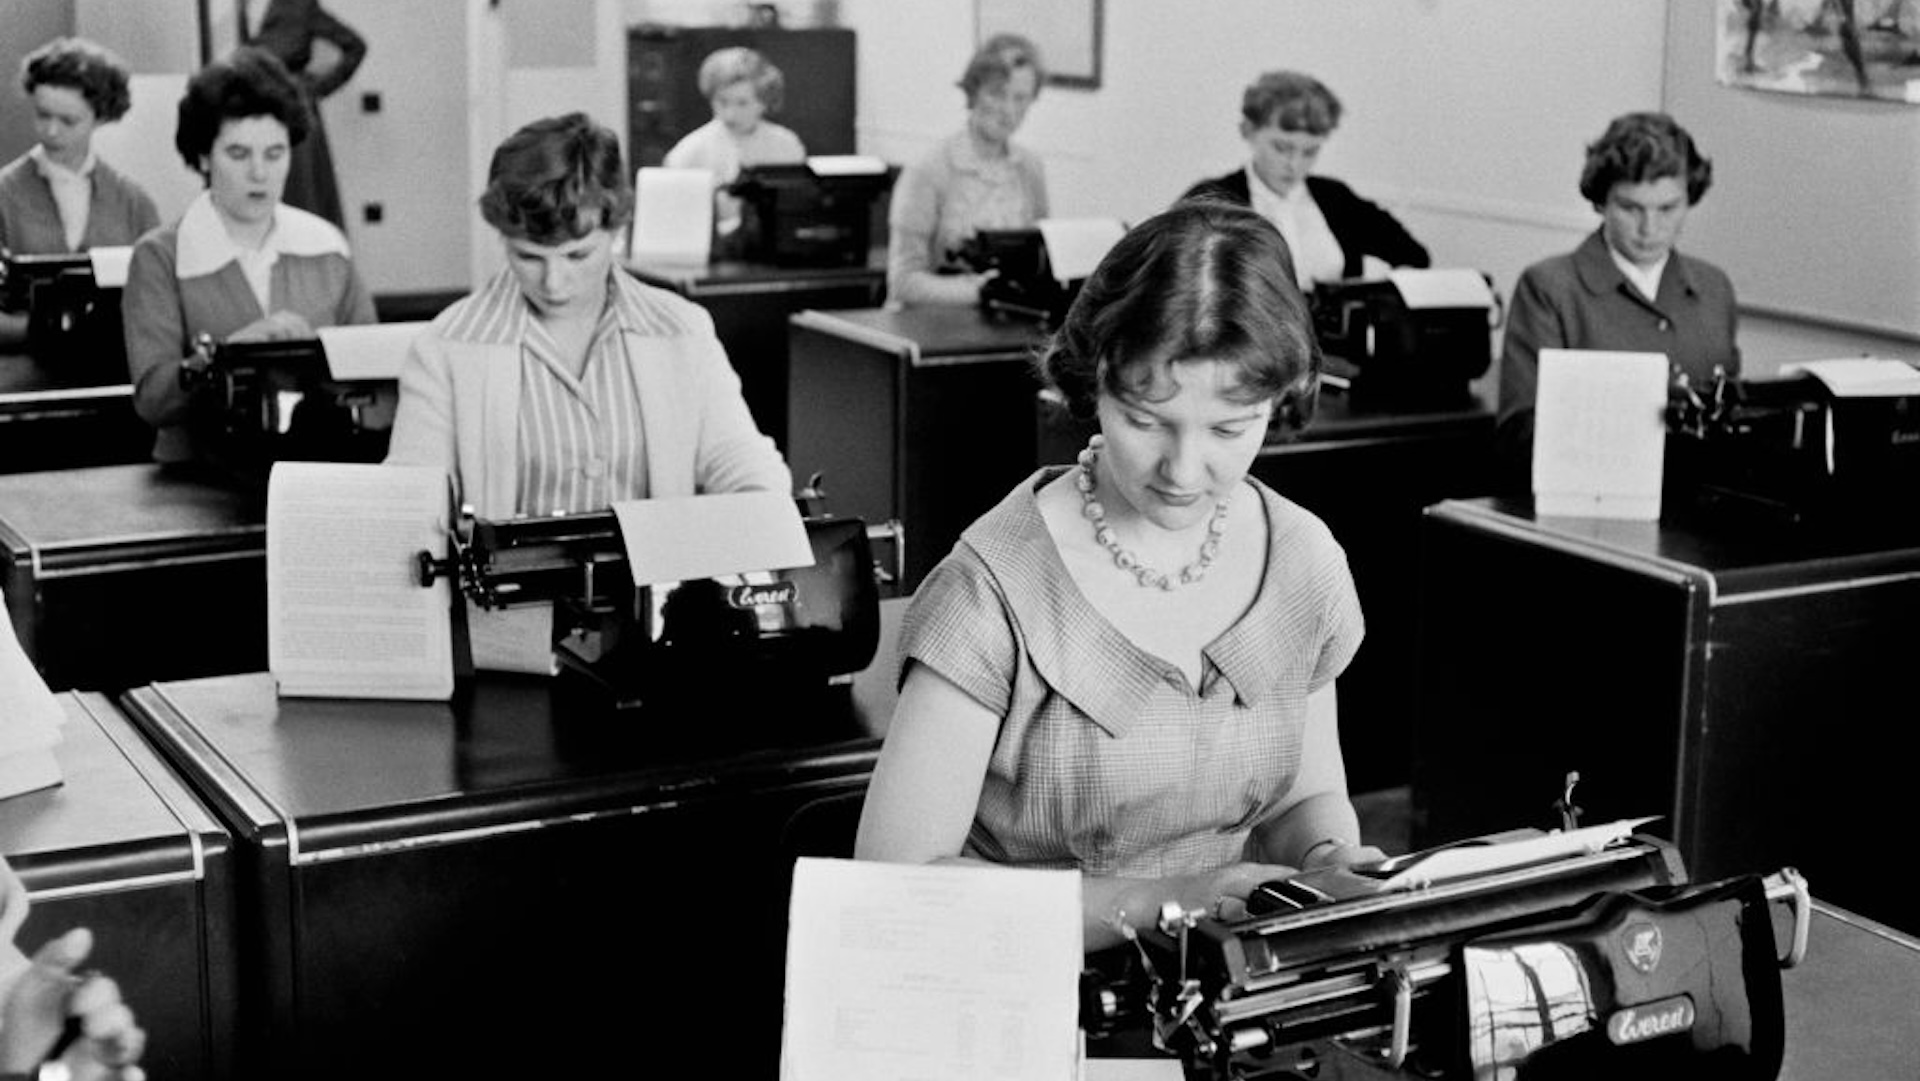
(346, 613)
(903, 971)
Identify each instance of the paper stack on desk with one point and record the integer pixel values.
(30, 719)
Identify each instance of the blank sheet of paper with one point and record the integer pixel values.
(1599, 432)
(373, 351)
(110, 265)
(701, 536)
(672, 215)
(1076, 245)
(902, 970)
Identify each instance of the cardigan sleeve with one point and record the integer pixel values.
(155, 328)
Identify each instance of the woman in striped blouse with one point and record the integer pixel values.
(563, 384)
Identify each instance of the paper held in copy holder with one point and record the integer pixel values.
(672, 215)
(1599, 434)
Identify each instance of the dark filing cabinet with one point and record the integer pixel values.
(124, 848)
(120, 575)
(924, 416)
(513, 884)
(663, 91)
(1749, 681)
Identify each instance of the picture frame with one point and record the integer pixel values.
(1067, 33)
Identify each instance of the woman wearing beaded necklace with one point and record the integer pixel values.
(1127, 667)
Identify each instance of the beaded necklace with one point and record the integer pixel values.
(1124, 558)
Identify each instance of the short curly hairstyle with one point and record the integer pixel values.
(96, 72)
(995, 61)
(1291, 101)
(557, 179)
(724, 67)
(245, 83)
(1203, 280)
(1640, 148)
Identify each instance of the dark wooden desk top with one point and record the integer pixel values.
(119, 814)
(929, 336)
(742, 277)
(1726, 553)
(514, 750)
(1853, 1006)
(29, 384)
(115, 512)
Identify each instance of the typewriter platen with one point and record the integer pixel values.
(1601, 962)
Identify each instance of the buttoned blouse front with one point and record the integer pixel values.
(1107, 759)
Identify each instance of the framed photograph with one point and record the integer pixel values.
(1067, 33)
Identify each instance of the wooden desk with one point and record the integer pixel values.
(121, 575)
(514, 884)
(1850, 1004)
(923, 416)
(53, 418)
(750, 303)
(1750, 682)
(124, 848)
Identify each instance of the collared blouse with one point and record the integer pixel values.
(941, 200)
(118, 210)
(1107, 759)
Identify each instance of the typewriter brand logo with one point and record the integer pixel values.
(1643, 946)
(1637, 1023)
(754, 595)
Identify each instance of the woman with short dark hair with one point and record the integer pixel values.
(1625, 287)
(1286, 117)
(977, 178)
(59, 196)
(564, 384)
(1127, 668)
(239, 265)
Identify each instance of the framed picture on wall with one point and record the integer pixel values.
(1067, 33)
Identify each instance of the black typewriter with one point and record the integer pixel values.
(769, 633)
(263, 402)
(1388, 350)
(1789, 448)
(1541, 955)
(72, 320)
(799, 217)
(1023, 285)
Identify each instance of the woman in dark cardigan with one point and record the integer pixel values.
(1286, 117)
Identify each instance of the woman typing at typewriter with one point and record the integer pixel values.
(239, 266)
(975, 179)
(1128, 666)
(1624, 287)
(59, 196)
(1286, 118)
(564, 384)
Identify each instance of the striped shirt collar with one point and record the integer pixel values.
(205, 247)
(498, 313)
(1040, 592)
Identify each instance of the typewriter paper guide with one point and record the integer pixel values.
(1599, 432)
(110, 265)
(905, 970)
(705, 536)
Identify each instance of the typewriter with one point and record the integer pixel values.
(279, 401)
(1793, 450)
(811, 214)
(793, 630)
(72, 320)
(1390, 342)
(1023, 285)
(1578, 953)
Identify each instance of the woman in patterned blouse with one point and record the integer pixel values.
(1127, 667)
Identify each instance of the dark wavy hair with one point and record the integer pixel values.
(995, 61)
(1204, 280)
(245, 83)
(1639, 148)
(1291, 101)
(556, 180)
(93, 70)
